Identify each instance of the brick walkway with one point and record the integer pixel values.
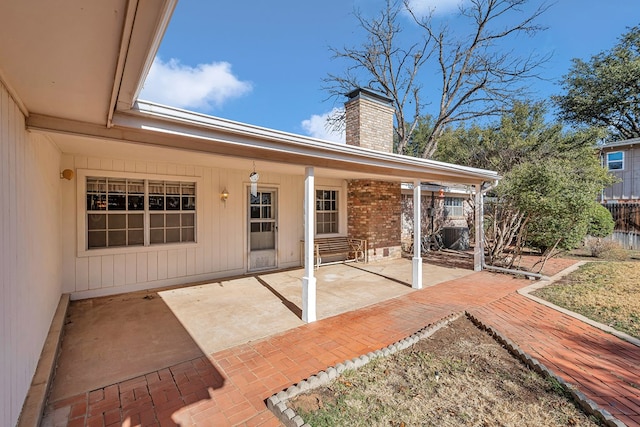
(229, 387)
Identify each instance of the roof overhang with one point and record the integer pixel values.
(620, 144)
(161, 126)
(76, 59)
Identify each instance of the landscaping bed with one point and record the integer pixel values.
(459, 375)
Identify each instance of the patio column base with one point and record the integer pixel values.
(309, 299)
(417, 273)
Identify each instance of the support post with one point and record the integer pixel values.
(309, 280)
(478, 252)
(416, 283)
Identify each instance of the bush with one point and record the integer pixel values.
(603, 248)
(601, 222)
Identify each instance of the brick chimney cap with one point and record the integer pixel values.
(368, 93)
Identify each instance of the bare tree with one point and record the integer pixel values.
(390, 68)
(475, 77)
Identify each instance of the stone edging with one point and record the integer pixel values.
(289, 418)
(588, 405)
(526, 292)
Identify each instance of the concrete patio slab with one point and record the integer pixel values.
(172, 326)
(224, 314)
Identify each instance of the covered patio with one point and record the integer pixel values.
(173, 325)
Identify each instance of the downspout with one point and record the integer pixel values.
(484, 190)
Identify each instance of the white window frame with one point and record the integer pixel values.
(451, 210)
(609, 162)
(81, 212)
(341, 197)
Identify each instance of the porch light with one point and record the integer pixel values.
(441, 193)
(224, 196)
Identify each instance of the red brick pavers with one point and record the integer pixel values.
(602, 366)
(229, 387)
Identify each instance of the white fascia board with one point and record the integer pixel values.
(618, 144)
(186, 123)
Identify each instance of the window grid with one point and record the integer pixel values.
(326, 211)
(453, 207)
(116, 212)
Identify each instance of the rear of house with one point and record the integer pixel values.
(101, 193)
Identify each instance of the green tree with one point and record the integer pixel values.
(551, 178)
(605, 91)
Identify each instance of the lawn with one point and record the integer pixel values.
(607, 292)
(459, 376)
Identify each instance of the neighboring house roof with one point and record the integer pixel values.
(77, 68)
(620, 144)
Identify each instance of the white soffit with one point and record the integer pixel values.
(70, 58)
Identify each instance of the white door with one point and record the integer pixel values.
(263, 229)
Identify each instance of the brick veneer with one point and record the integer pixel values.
(369, 121)
(374, 213)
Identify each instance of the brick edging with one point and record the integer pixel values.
(588, 405)
(288, 417)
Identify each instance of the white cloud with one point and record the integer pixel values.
(316, 126)
(437, 7)
(205, 86)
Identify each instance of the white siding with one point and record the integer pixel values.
(30, 273)
(221, 248)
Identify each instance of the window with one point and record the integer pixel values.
(118, 210)
(615, 160)
(453, 207)
(326, 211)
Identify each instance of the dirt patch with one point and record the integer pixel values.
(458, 376)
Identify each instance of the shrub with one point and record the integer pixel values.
(601, 222)
(603, 248)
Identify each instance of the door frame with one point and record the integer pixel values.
(247, 208)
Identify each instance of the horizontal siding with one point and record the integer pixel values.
(221, 248)
(30, 281)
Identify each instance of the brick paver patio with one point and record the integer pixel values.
(229, 387)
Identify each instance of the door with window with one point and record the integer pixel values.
(263, 229)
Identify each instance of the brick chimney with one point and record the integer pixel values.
(373, 207)
(369, 120)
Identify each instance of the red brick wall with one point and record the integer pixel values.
(374, 214)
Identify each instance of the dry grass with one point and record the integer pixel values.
(607, 292)
(458, 377)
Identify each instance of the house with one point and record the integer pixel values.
(447, 215)
(102, 193)
(622, 159)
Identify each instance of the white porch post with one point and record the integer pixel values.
(308, 280)
(478, 253)
(417, 236)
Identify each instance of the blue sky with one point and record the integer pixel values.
(263, 62)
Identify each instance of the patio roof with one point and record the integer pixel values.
(161, 126)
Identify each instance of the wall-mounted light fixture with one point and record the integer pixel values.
(224, 195)
(441, 193)
(66, 174)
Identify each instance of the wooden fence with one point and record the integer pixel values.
(627, 223)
